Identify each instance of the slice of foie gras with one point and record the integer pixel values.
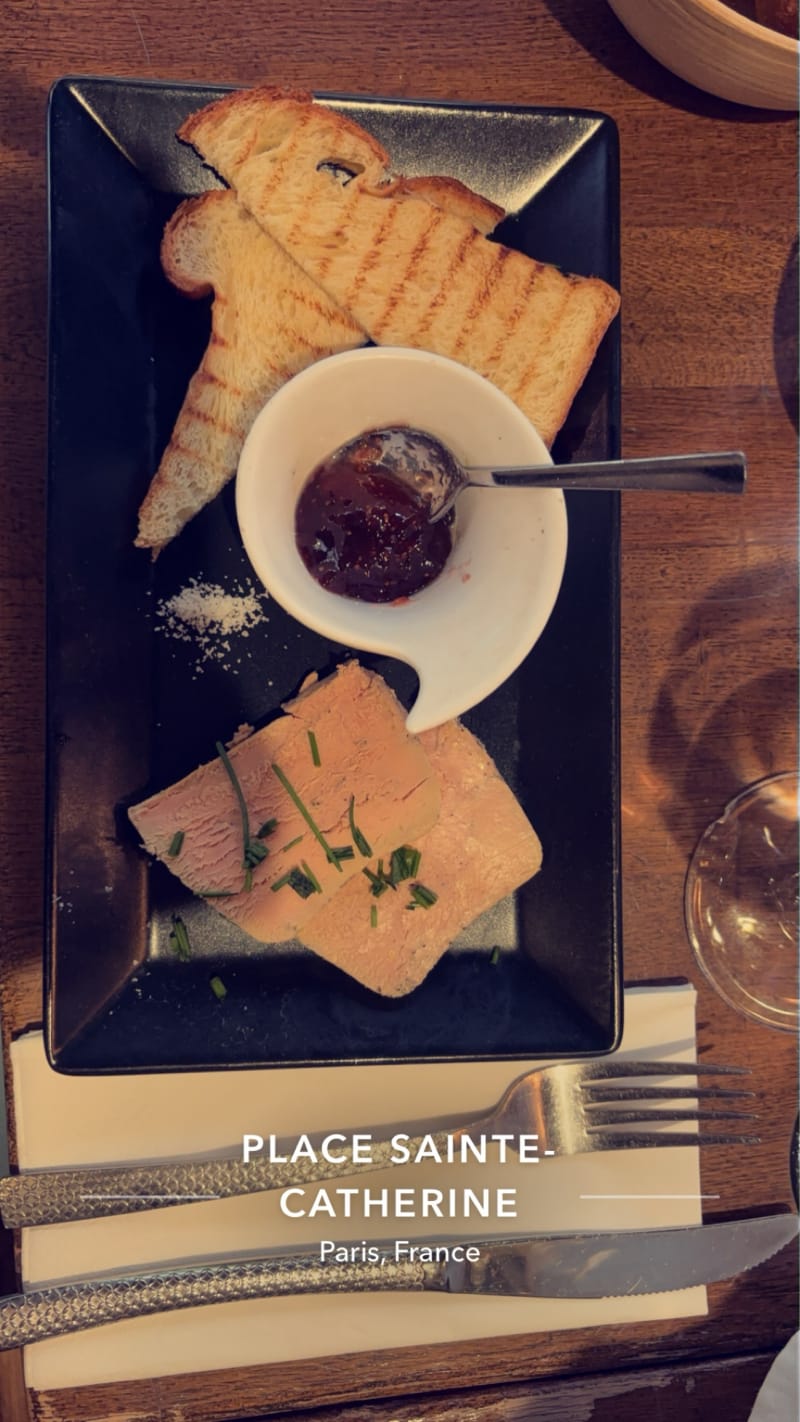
(481, 848)
(364, 751)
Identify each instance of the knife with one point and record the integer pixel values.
(576, 1266)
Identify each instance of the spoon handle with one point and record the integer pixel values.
(691, 473)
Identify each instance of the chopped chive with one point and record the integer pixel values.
(218, 988)
(215, 893)
(253, 852)
(309, 873)
(234, 779)
(494, 956)
(387, 878)
(292, 843)
(373, 916)
(422, 897)
(302, 885)
(176, 844)
(256, 853)
(316, 831)
(404, 864)
(346, 852)
(268, 827)
(179, 939)
(312, 741)
(378, 885)
(361, 844)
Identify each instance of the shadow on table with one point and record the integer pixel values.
(597, 29)
(784, 336)
(744, 736)
(680, 1375)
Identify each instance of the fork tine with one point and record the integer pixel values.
(599, 1091)
(601, 1070)
(606, 1116)
(644, 1139)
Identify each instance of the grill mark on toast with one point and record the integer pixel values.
(324, 262)
(435, 219)
(515, 317)
(481, 299)
(530, 368)
(194, 412)
(320, 305)
(303, 341)
(374, 254)
(294, 338)
(336, 334)
(424, 325)
(176, 446)
(206, 376)
(289, 145)
(318, 352)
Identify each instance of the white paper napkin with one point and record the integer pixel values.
(67, 1121)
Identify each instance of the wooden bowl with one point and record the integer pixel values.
(713, 47)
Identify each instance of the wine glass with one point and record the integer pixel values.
(741, 902)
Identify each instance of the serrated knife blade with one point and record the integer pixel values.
(583, 1266)
(609, 1265)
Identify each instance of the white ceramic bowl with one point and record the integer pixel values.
(469, 630)
(715, 48)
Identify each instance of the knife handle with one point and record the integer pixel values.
(58, 1196)
(71, 1308)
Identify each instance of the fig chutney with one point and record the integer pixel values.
(365, 533)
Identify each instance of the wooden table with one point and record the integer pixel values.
(709, 257)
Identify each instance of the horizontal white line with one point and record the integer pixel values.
(149, 1197)
(649, 1197)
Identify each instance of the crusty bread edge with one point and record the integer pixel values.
(189, 209)
(448, 193)
(455, 197)
(242, 101)
(604, 315)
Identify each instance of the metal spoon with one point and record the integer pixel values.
(424, 462)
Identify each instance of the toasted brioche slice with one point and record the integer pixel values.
(481, 848)
(268, 321)
(250, 122)
(364, 752)
(411, 272)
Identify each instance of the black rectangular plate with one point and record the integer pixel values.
(129, 711)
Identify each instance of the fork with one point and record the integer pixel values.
(572, 1107)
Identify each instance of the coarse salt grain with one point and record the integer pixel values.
(207, 615)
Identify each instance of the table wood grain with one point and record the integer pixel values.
(709, 261)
